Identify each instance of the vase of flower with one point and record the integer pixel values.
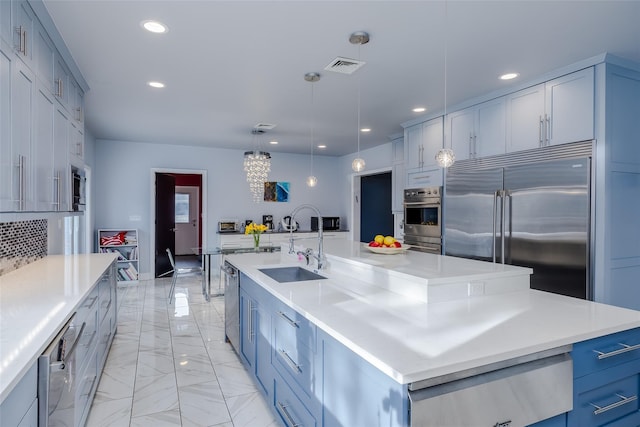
(256, 230)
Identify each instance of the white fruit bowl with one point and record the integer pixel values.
(387, 251)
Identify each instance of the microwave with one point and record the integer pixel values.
(78, 189)
(329, 223)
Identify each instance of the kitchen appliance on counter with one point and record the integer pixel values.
(423, 219)
(228, 226)
(287, 225)
(329, 223)
(532, 213)
(57, 379)
(231, 279)
(268, 221)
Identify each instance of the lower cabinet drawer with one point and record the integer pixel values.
(605, 352)
(84, 390)
(291, 410)
(599, 405)
(293, 359)
(87, 341)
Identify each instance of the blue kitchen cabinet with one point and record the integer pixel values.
(606, 381)
(255, 332)
(279, 347)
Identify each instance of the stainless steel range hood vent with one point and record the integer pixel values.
(344, 65)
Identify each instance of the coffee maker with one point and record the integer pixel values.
(268, 221)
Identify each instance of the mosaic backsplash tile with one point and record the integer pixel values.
(22, 242)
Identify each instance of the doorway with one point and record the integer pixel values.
(178, 221)
(375, 206)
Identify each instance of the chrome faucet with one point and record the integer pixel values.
(320, 255)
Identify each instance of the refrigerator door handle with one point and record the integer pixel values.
(495, 214)
(506, 194)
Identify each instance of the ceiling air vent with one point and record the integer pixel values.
(344, 65)
(264, 126)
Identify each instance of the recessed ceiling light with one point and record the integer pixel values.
(419, 110)
(509, 76)
(273, 142)
(365, 130)
(154, 27)
(322, 146)
(157, 85)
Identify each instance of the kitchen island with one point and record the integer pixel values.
(377, 315)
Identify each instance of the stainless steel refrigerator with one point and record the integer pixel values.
(531, 214)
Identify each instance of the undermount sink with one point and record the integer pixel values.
(290, 274)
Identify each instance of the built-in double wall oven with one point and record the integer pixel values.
(423, 219)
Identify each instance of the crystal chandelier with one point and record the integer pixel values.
(257, 165)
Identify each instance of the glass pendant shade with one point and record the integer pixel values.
(445, 157)
(358, 164)
(312, 181)
(257, 165)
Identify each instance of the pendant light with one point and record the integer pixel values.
(359, 38)
(312, 78)
(445, 157)
(257, 165)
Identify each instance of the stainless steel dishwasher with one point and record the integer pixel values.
(229, 274)
(57, 381)
(514, 393)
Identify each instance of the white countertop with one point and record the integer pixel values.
(35, 302)
(412, 340)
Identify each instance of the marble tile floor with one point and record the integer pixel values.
(169, 364)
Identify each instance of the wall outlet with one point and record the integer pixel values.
(135, 217)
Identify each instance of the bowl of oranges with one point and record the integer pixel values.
(387, 245)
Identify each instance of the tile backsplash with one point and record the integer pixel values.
(22, 242)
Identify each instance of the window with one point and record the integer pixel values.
(182, 208)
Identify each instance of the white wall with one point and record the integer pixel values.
(123, 190)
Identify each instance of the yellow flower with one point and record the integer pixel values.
(254, 228)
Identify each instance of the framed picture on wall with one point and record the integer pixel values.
(276, 191)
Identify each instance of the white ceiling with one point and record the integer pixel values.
(229, 65)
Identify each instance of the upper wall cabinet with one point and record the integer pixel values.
(24, 26)
(422, 142)
(556, 112)
(478, 131)
(42, 118)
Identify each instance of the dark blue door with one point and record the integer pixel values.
(375, 207)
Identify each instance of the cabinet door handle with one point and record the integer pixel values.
(21, 183)
(540, 126)
(22, 40)
(470, 145)
(292, 364)
(289, 320)
(623, 401)
(625, 349)
(250, 320)
(547, 128)
(287, 416)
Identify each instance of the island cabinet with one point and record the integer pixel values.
(311, 379)
(607, 381)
